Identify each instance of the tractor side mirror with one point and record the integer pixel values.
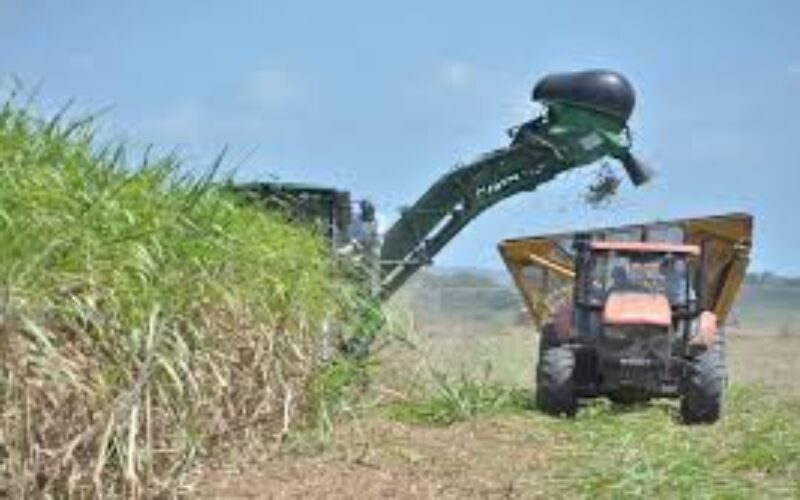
(702, 278)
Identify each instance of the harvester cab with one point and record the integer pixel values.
(634, 312)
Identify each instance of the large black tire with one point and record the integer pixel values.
(548, 338)
(704, 386)
(555, 386)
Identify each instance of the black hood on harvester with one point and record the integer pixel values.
(606, 91)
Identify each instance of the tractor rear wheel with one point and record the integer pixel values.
(704, 386)
(555, 386)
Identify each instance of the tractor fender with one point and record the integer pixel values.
(706, 329)
(562, 320)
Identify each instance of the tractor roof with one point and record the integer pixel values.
(645, 247)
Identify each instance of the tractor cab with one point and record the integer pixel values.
(634, 284)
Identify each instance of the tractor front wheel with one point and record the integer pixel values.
(704, 386)
(555, 386)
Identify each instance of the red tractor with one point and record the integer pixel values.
(633, 313)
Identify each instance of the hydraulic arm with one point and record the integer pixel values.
(585, 119)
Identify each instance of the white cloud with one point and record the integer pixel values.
(794, 70)
(273, 89)
(259, 109)
(80, 61)
(454, 74)
(181, 122)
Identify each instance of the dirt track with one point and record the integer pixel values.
(393, 460)
(505, 456)
(772, 361)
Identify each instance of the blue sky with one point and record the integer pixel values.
(383, 99)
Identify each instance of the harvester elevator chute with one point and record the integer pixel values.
(585, 119)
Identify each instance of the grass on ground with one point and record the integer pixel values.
(638, 452)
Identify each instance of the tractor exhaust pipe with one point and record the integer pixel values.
(638, 172)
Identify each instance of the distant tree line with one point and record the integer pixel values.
(768, 278)
(457, 279)
(478, 279)
(463, 296)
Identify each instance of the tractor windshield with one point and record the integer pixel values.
(649, 272)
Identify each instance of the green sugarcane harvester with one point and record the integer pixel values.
(585, 119)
